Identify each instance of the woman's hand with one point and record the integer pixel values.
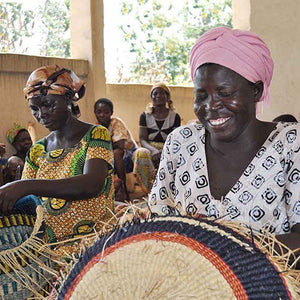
(9, 194)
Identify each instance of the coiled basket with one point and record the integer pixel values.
(180, 258)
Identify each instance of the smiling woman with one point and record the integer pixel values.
(232, 165)
(70, 170)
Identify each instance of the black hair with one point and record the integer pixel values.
(285, 118)
(104, 101)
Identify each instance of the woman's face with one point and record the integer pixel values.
(22, 141)
(159, 97)
(103, 114)
(50, 110)
(224, 101)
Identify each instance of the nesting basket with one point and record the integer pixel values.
(179, 258)
(24, 259)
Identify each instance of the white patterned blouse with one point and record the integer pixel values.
(266, 196)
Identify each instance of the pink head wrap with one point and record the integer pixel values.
(241, 51)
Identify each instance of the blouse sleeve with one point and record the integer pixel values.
(161, 199)
(143, 122)
(291, 195)
(31, 161)
(99, 145)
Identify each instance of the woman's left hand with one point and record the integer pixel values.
(9, 194)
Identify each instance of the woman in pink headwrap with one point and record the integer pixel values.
(232, 165)
(71, 169)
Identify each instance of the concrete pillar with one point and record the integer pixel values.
(87, 43)
(241, 14)
(277, 23)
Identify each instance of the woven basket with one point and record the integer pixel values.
(24, 269)
(178, 258)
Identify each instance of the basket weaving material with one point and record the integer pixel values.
(24, 265)
(177, 258)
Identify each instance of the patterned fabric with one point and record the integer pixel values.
(158, 130)
(265, 197)
(119, 131)
(13, 132)
(137, 160)
(143, 169)
(66, 219)
(55, 80)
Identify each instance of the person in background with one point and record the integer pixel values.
(13, 169)
(71, 169)
(157, 121)
(3, 161)
(285, 118)
(19, 137)
(2, 149)
(232, 165)
(127, 156)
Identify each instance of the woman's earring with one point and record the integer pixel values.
(69, 107)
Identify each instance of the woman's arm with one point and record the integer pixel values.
(87, 185)
(143, 135)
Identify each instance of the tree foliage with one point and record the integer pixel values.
(43, 30)
(15, 24)
(160, 34)
(55, 28)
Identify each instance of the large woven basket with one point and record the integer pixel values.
(180, 258)
(24, 265)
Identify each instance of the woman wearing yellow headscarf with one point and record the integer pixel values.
(157, 121)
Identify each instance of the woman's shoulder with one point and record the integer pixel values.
(97, 132)
(188, 132)
(286, 135)
(289, 130)
(117, 121)
(36, 150)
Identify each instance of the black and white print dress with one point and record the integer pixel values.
(267, 195)
(158, 130)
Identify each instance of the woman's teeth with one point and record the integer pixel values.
(219, 121)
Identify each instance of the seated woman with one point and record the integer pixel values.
(19, 137)
(158, 121)
(70, 170)
(127, 157)
(232, 165)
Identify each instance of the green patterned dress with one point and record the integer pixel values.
(68, 219)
